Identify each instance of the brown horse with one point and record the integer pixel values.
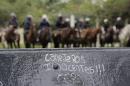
(89, 36)
(64, 36)
(12, 38)
(44, 37)
(30, 37)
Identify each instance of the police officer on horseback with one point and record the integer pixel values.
(67, 23)
(80, 23)
(60, 23)
(44, 23)
(13, 22)
(106, 25)
(87, 23)
(28, 22)
(119, 23)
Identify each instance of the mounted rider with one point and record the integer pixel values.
(119, 24)
(67, 23)
(80, 24)
(106, 25)
(13, 22)
(87, 23)
(28, 23)
(60, 23)
(44, 23)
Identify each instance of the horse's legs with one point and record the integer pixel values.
(56, 44)
(121, 44)
(75, 45)
(112, 44)
(18, 44)
(63, 45)
(27, 45)
(14, 44)
(94, 44)
(11, 45)
(44, 45)
(33, 45)
(18, 41)
(84, 44)
(90, 44)
(68, 44)
(102, 43)
(128, 43)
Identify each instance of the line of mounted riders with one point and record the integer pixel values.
(77, 34)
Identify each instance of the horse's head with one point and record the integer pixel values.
(46, 29)
(98, 30)
(32, 28)
(110, 30)
(11, 28)
(73, 33)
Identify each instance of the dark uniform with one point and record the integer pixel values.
(13, 21)
(67, 24)
(119, 24)
(106, 26)
(80, 24)
(60, 23)
(27, 24)
(87, 24)
(44, 24)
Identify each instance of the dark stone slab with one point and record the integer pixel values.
(65, 67)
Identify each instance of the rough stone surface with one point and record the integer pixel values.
(65, 67)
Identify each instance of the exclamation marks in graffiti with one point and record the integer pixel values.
(100, 68)
(96, 68)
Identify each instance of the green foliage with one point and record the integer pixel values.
(109, 9)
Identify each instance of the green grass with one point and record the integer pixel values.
(21, 46)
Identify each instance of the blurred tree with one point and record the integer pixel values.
(96, 9)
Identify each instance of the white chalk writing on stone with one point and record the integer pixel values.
(72, 63)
